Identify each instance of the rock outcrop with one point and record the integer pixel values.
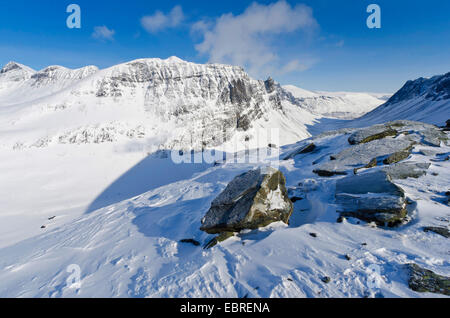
(445, 232)
(423, 280)
(302, 150)
(388, 143)
(371, 197)
(406, 170)
(251, 200)
(371, 133)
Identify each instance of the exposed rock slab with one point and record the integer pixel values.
(438, 230)
(301, 150)
(371, 197)
(251, 200)
(406, 170)
(371, 133)
(362, 154)
(423, 280)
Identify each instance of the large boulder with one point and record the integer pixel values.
(251, 200)
(371, 197)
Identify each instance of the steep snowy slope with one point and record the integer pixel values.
(424, 99)
(345, 105)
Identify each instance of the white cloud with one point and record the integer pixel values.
(103, 33)
(159, 21)
(294, 66)
(249, 39)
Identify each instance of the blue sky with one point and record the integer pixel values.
(314, 44)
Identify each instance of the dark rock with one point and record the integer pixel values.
(326, 279)
(190, 241)
(302, 150)
(423, 280)
(250, 201)
(219, 238)
(326, 173)
(438, 230)
(238, 92)
(313, 234)
(295, 199)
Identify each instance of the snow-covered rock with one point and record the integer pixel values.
(250, 201)
(404, 170)
(390, 142)
(371, 197)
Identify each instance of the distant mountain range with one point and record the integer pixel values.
(174, 103)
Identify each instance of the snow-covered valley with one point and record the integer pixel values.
(88, 180)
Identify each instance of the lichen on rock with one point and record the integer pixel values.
(424, 280)
(250, 201)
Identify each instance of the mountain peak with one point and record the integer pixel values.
(175, 59)
(11, 66)
(434, 88)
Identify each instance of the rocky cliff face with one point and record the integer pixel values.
(434, 88)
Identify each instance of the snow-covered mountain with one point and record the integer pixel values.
(344, 105)
(187, 105)
(424, 99)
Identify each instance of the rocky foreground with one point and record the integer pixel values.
(362, 170)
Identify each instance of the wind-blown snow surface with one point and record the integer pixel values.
(132, 249)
